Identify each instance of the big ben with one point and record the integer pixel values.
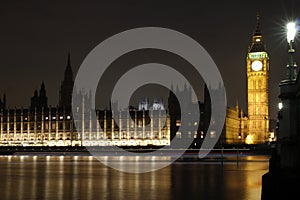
(257, 75)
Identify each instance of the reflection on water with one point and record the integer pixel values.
(84, 177)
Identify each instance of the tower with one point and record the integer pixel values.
(66, 89)
(39, 100)
(3, 102)
(257, 75)
(43, 97)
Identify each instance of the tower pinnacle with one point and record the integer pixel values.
(257, 30)
(69, 60)
(257, 38)
(66, 89)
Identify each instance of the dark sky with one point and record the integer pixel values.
(36, 36)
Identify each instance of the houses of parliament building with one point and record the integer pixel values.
(43, 125)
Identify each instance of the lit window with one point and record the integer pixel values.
(257, 40)
(68, 117)
(189, 134)
(178, 134)
(202, 135)
(213, 134)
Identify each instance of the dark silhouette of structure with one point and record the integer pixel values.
(3, 102)
(39, 100)
(66, 88)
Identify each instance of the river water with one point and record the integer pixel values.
(84, 177)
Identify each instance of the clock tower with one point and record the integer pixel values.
(257, 75)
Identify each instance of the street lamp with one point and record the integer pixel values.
(291, 34)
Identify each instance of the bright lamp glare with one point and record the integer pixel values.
(291, 31)
(280, 105)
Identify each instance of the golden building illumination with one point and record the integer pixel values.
(235, 126)
(55, 127)
(257, 74)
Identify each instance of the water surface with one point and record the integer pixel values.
(84, 177)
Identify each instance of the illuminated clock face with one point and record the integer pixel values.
(256, 65)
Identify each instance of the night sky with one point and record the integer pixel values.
(36, 37)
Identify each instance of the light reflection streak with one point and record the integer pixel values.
(47, 178)
(8, 182)
(61, 178)
(34, 178)
(21, 182)
(105, 183)
(75, 178)
(90, 181)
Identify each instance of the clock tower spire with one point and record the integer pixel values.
(257, 75)
(257, 38)
(257, 31)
